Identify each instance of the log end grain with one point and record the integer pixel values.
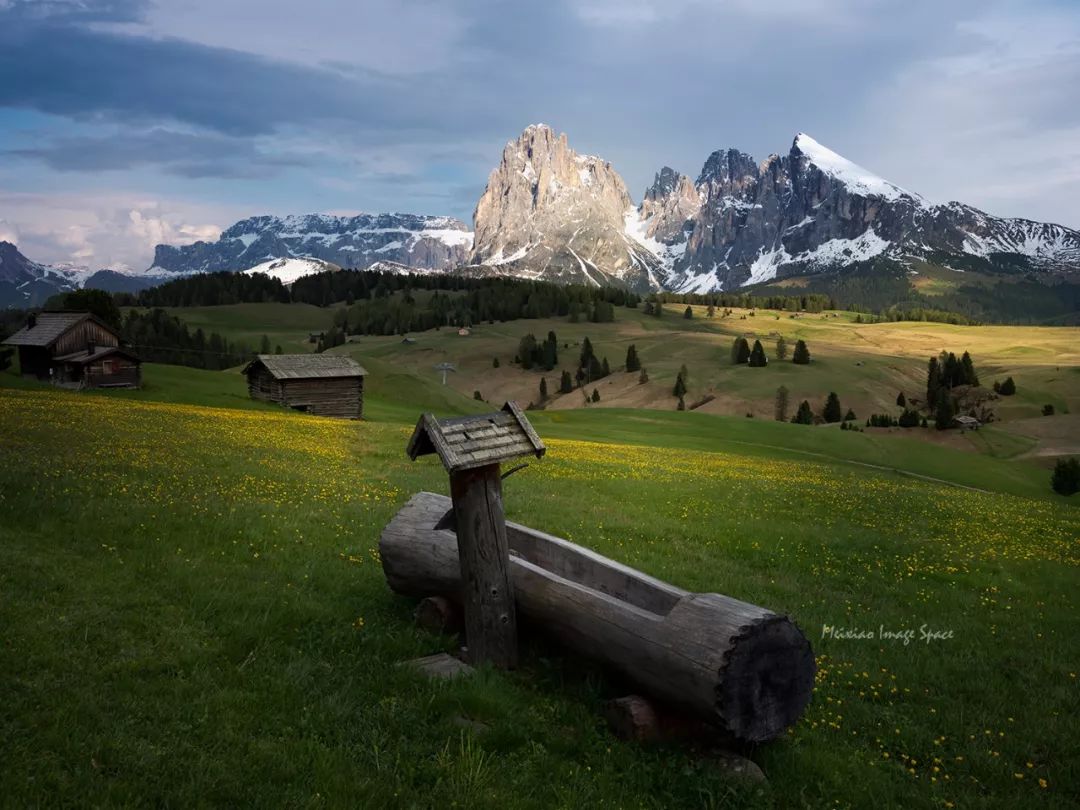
(766, 680)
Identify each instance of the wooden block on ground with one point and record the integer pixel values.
(632, 718)
(438, 614)
(440, 665)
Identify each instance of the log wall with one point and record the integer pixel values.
(342, 397)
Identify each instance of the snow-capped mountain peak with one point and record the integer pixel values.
(855, 177)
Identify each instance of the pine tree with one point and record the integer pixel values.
(832, 411)
(849, 416)
(901, 400)
(757, 357)
(543, 389)
(684, 372)
(680, 387)
(781, 349)
(682, 405)
(802, 353)
(632, 361)
(933, 382)
(494, 362)
(688, 313)
(277, 349)
(595, 395)
(586, 353)
(740, 351)
(781, 406)
(643, 377)
(1008, 388)
(968, 370)
(711, 311)
(477, 397)
(943, 410)
(803, 416)
(566, 383)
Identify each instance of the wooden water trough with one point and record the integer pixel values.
(740, 667)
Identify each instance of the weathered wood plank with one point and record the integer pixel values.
(486, 589)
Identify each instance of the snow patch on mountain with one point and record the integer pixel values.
(855, 177)
(289, 270)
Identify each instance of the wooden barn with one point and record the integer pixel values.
(320, 384)
(75, 350)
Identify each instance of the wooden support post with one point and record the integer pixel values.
(486, 589)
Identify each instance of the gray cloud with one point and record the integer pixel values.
(180, 153)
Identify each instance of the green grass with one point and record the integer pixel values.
(181, 604)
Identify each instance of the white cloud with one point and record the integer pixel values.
(105, 230)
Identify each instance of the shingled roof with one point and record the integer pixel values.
(307, 366)
(465, 442)
(49, 326)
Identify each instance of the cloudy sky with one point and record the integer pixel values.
(124, 123)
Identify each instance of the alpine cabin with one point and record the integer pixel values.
(320, 384)
(75, 350)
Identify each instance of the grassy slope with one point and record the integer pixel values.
(183, 608)
(866, 364)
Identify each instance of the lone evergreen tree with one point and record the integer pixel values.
(803, 416)
(781, 405)
(688, 313)
(801, 355)
(595, 395)
(711, 311)
(781, 348)
(543, 389)
(477, 397)
(850, 416)
(680, 387)
(832, 411)
(901, 400)
(1008, 388)
(277, 349)
(632, 361)
(643, 377)
(494, 362)
(757, 357)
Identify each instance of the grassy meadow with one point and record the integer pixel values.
(194, 613)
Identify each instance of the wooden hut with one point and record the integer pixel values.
(75, 349)
(320, 384)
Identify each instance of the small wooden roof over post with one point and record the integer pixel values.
(466, 442)
(472, 448)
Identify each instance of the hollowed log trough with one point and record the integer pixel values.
(738, 666)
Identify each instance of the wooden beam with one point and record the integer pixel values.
(486, 590)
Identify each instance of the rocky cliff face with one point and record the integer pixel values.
(814, 211)
(24, 283)
(422, 242)
(550, 213)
